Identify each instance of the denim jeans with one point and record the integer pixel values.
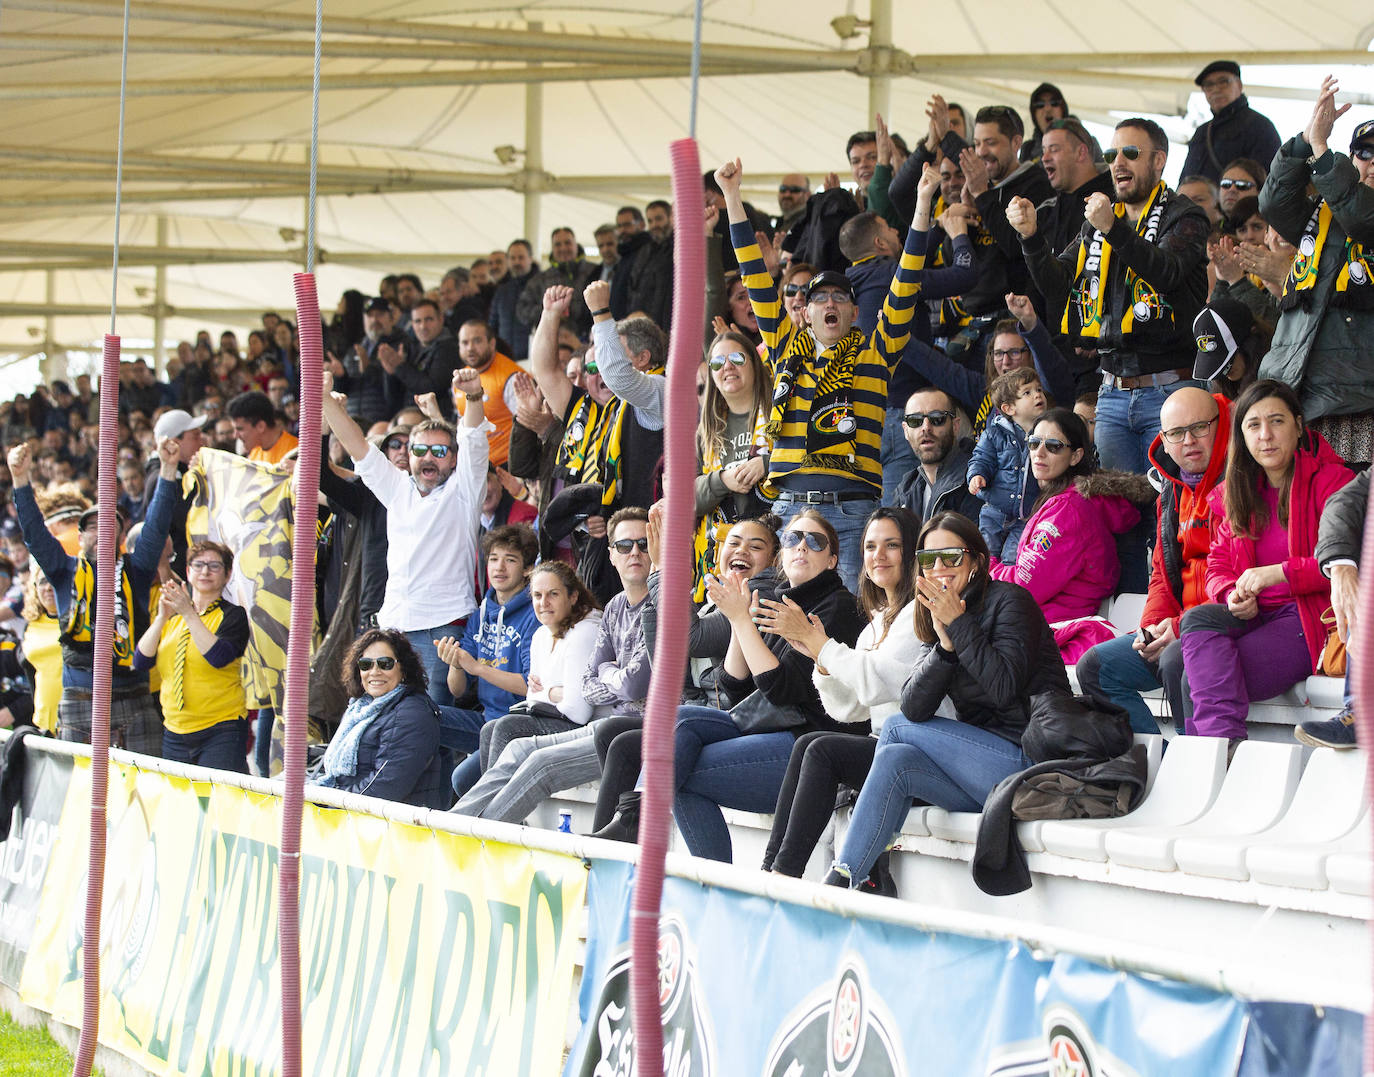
(848, 519)
(895, 454)
(949, 764)
(224, 746)
(460, 729)
(1116, 673)
(1128, 421)
(423, 640)
(717, 766)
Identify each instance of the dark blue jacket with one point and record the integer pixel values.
(398, 755)
(513, 333)
(500, 637)
(1001, 457)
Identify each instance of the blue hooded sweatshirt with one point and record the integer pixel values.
(500, 637)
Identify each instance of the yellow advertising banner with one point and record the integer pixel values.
(421, 952)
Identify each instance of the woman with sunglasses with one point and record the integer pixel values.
(990, 652)
(1262, 631)
(1067, 557)
(732, 446)
(859, 684)
(196, 641)
(768, 682)
(387, 744)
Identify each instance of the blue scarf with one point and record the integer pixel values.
(341, 757)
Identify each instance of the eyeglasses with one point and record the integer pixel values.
(1364, 153)
(384, 664)
(791, 290)
(717, 362)
(1053, 445)
(838, 298)
(396, 443)
(787, 188)
(1240, 185)
(1176, 434)
(1128, 152)
(918, 419)
(815, 540)
(436, 451)
(206, 566)
(1008, 353)
(949, 556)
(626, 545)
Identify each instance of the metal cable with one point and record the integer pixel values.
(314, 141)
(119, 166)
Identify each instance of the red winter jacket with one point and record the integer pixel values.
(1318, 472)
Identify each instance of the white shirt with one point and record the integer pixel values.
(562, 662)
(431, 556)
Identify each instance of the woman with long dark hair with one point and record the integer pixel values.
(387, 744)
(1067, 557)
(991, 650)
(732, 448)
(1262, 632)
(862, 683)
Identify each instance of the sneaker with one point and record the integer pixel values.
(1337, 732)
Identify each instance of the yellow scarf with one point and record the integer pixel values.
(1302, 275)
(1089, 296)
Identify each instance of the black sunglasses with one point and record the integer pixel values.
(1131, 153)
(790, 290)
(1240, 185)
(1364, 153)
(1047, 102)
(436, 451)
(1053, 445)
(787, 188)
(392, 444)
(949, 556)
(815, 541)
(384, 664)
(626, 545)
(917, 419)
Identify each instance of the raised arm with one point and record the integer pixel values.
(335, 414)
(548, 373)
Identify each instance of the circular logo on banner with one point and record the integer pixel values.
(669, 967)
(1307, 246)
(1357, 273)
(846, 1023)
(1094, 286)
(1142, 311)
(839, 1030)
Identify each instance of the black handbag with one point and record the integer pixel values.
(756, 713)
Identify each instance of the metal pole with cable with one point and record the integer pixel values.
(102, 673)
(295, 709)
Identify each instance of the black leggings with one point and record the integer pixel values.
(618, 741)
(821, 762)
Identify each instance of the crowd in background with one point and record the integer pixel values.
(946, 412)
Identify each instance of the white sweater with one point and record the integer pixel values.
(562, 662)
(864, 683)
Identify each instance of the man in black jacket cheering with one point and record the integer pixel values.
(1129, 288)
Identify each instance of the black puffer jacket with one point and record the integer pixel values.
(1004, 653)
(789, 683)
(398, 755)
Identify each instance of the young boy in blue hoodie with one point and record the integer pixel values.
(495, 647)
(999, 472)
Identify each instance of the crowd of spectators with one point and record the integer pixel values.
(1002, 376)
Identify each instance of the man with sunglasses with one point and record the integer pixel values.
(1129, 289)
(793, 191)
(1235, 129)
(1322, 342)
(432, 519)
(937, 483)
(1189, 459)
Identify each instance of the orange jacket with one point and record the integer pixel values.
(499, 371)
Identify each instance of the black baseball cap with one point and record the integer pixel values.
(1219, 330)
(376, 303)
(1229, 66)
(1363, 133)
(829, 278)
(95, 509)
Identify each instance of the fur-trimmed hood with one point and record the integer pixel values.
(1128, 484)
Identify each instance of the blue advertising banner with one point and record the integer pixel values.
(750, 985)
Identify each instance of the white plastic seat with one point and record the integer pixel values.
(1328, 802)
(1350, 872)
(1258, 788)
(1303, 864)
(1125, 610)
(1187, 782)
(1326, 695)
(915, 824)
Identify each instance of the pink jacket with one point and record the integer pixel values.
(1318, 472)
(1067, 555)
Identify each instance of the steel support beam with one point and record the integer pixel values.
(159, 302)
(534, 158)
(879, 72)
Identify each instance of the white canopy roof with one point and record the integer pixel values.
(418, 95)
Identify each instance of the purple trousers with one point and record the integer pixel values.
(1229, 662)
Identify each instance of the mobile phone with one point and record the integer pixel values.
(1146, 636)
